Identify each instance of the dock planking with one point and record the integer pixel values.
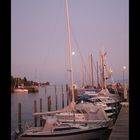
(121, 128)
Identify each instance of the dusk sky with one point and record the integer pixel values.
(39, 37)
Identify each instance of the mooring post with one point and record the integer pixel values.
(67, 97)
(40, 111)
(55, 97)
(49, 103)
(19, 117)
(62, 97)
(67, 91)
(35, 110)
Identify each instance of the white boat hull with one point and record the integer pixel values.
(69, 135)
(20, 90)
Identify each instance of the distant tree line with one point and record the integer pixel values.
(17, 81)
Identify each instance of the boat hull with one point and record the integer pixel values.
(20, 90)
(77, 134)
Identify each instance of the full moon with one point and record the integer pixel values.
(73, 53)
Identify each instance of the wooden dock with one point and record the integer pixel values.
(120, 131)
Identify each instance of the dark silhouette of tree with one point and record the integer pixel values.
(12, 81)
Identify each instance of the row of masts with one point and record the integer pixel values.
(101, 68)
(100, 72)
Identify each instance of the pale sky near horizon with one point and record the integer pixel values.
(39, 35)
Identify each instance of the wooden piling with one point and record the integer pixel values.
(55, 88)
(19, 117)
(75, 93)
(56, 101)
(55, 98)
(69, 95)
(67, 91)
(35, 110)
(62, 100)
(67, 98)
(40, 111)
(62, 97)
(49, 103)
(67, 88)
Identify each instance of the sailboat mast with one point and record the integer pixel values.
(70, 49)
(102, 68)
(82, 75)
(97, 76)
(92, 80)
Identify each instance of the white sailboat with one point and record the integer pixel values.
(19, 88)
(77, 121)
(82, 121)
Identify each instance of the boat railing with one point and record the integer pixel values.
(28, 125)
(24, 127)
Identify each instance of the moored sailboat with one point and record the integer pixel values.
(77, 121)
(19, 88)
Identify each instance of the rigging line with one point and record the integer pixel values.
(80, 53)
(48, 48)
(76, 43)
(95, 68)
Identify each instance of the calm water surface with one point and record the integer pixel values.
(27, 103)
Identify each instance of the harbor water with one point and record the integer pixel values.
(27, 103)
